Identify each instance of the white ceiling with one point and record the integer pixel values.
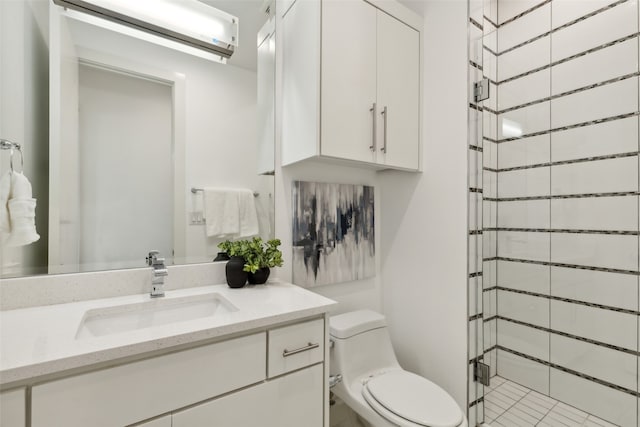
(251, 18)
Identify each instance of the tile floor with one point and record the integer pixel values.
(340, 415)
(507, 404)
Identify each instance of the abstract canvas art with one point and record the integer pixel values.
(333, 233)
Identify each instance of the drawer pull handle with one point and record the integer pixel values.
(310, 346)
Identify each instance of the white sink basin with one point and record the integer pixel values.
(155, 312)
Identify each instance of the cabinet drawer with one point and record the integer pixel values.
(296, 346)
(140, 390)
(293, 400)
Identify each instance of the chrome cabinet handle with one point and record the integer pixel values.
(384, 138)
(374, 109)
(310, 346)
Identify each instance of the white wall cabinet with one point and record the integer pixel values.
(398, 68)
(351, 85)
(348, 80)
(158, 388)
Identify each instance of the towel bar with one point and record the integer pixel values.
(195, 190)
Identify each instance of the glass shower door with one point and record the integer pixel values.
(481, 160)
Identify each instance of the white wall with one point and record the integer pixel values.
(424, 217)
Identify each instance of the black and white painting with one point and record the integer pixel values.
(333, 233)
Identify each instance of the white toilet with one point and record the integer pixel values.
(373, 383)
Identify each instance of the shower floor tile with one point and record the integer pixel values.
(507, 404)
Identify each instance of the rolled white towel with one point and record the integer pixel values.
(20, 186)
(22, 212)
(5, 190)
(23, 222)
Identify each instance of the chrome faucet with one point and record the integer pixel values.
(159, 272)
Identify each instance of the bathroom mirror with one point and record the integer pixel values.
(121, 134)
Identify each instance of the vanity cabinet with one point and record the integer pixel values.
(13, 409)
(227, 383)
(351, 85)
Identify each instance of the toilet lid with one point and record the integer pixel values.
(415, 399)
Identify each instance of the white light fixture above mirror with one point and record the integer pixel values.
(186, 22)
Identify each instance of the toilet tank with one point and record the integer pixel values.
(362, 345)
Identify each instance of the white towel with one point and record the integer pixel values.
(230, 213)
(221, 212)
(5, 191)
(23, 218)
(21, 207)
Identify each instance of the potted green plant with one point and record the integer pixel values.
(260, 257)
(235, 271)
(251, 260)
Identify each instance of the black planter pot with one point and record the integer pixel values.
(222, 256)
(260, 276)
(236, 277)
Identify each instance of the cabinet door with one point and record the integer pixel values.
(348, 79)
(13, 408)
(300, 34)
(293, 400)
(399, 93)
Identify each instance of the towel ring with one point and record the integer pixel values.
(21, 159)
(5, 144)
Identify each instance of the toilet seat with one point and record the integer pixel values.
(410, 400)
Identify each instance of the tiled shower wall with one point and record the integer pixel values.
(560, 194)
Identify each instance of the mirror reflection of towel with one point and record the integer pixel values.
(17, 211)
(5, 191)
(230, 213)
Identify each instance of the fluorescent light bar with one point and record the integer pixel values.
(189, 22)
(141, 35)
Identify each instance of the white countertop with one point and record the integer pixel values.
(39, 341)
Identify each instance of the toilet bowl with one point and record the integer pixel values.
(375, 386)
